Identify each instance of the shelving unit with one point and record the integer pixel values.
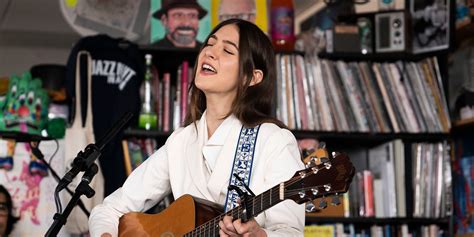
(339, 141)
(170, 59)
(379, 221)
(463, 141)
(380, 57)
(354, 138)
(22, 137)
(362, 137)
(137, 132)
(463, 123)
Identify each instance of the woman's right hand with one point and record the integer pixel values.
(106, 235)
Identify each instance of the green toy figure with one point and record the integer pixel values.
(25, 111)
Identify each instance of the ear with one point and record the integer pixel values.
(257, 77)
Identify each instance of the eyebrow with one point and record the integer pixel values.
(225, 41)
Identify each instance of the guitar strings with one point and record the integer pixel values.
(265, 198)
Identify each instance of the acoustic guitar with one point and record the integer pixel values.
(192, 216)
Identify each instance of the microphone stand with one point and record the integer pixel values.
(82, 189)
(37, 152)
(84, 161)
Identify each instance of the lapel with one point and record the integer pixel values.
(219, 179)
(196, 166)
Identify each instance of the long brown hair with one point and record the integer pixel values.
(11, 220)
(253, 104)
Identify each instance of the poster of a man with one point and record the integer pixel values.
(180, 23)
(243, 9)
(254, 11)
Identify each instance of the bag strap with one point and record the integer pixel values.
(89, 119)
(78, 113)
(77, 121)
(243, 161)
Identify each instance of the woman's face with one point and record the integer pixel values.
(3, 214)
(217, 72)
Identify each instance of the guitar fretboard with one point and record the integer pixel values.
(255, 205)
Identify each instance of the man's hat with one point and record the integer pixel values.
(168, 4)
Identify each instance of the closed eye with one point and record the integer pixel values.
(229, 52)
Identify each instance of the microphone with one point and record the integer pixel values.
(86, 158)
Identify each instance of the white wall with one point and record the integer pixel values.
(35, 32)
(19, 55)
(32, 32)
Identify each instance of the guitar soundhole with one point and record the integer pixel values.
(167, 234)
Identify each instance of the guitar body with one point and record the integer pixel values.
(181, 217)
(193, 216)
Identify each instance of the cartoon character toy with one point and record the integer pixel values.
(26, 111)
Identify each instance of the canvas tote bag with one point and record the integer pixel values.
(77, 138)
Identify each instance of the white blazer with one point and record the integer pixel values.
(179, 167)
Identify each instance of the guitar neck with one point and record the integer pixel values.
(255, 206)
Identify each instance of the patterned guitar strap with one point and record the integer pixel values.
(242, 167)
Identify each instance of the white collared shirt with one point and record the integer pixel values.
(179, 167)
(213, 146)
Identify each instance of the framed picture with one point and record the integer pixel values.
(136, 151)
(178, 24)
(255, 11)
(430, 25)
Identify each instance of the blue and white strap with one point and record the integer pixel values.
(243, 161)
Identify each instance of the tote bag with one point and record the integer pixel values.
(76, 139)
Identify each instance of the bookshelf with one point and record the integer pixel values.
(351, 138)
(170, 60)
(379, 221)
(380, 57)
(363, 141)
(167, 63)
(339, 141)
(463, 141)
(362, 138)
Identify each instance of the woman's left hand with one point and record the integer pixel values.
(236, 228)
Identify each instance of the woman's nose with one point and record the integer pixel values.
(210, 52)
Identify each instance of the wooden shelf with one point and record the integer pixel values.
(347, 139)
(466, 235)
(462, 127)
(357, 138)
(137, 132)
(22, 137)
(464, 123)
(380, 57)
(377, 221)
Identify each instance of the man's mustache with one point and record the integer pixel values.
(185, 28)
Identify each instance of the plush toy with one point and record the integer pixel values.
(26, 111)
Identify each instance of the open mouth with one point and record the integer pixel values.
(11, 124)
(208, 68)
(186, 32)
